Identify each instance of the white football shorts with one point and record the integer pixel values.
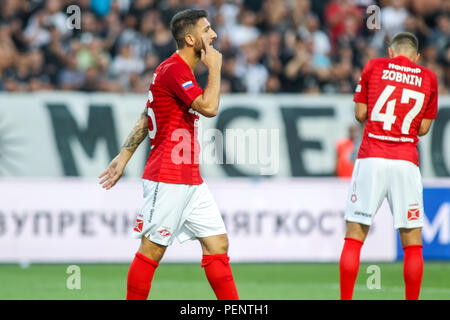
(373, 180)
(173, 210)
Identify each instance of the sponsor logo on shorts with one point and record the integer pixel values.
(152, 210)
(363, 214)
(413, 214)
(164, 232)
(138, 225)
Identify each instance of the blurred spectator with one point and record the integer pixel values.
(70, 78)
(347, 151)
(393, 17)
(36, 32)
(140, 8)
(169, 8)
(253, 74)
(267, 45)
(440, 36)
(126, 64)
(230, 82)
(244, 32)
(311, 30)
(299, 71)
(92, 80)
(415, 26)
(8, 51)
(163, 43)
(340, 12)
(54, 16)
(91, 54)
(101, 7)
(273, 84)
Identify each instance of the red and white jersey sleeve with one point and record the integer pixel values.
(431, 109)
(174, 156)
(181, 82)
(398, 94)
(361, 88)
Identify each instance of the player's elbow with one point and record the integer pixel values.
(360, 112)
(207, 110)
(361, 116)
(210, 113)
(424, 127)
(423, 131)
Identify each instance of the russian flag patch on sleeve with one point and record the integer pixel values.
(187, 85)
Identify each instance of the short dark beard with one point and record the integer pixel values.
(198, 52)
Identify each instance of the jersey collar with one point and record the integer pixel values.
(402, 58)
(177, 56)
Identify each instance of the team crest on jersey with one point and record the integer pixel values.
(187, 85)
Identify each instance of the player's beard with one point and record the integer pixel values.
(198, 48)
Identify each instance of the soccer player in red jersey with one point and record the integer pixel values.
(398, 101)
(177, 203)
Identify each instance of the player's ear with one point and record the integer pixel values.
(416, 58)
(390, 52)
(189, 38)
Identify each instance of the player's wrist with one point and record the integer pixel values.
(125, 154)
(214, 68)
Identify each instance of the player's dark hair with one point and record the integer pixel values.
(403, 39)
(182, 22)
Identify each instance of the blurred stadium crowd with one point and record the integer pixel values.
(310, 46)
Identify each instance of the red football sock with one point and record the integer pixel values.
(218, 272)
(412, 271)
(349, 267)
(140, 277)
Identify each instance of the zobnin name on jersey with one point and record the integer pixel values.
(411, 79)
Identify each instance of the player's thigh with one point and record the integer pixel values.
(204, 220)
(368, 188)
(405, 195)
(410, 237)
(162, 214)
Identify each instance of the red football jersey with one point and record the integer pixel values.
(172, 124)
(398, 94)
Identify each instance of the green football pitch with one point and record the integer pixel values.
(274, 281)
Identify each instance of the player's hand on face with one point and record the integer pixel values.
(111, 175)
(210, 57)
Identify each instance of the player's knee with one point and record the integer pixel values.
(357, 231)
(410, 237)
(224, 245)
(215, 245)
(151, 249)
(219, 247)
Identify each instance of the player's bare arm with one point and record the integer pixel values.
(361, 111)
(137, 135)
(207, 104)
(425, 125)
(117, 166)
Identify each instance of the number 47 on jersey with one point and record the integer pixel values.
(388, 117)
